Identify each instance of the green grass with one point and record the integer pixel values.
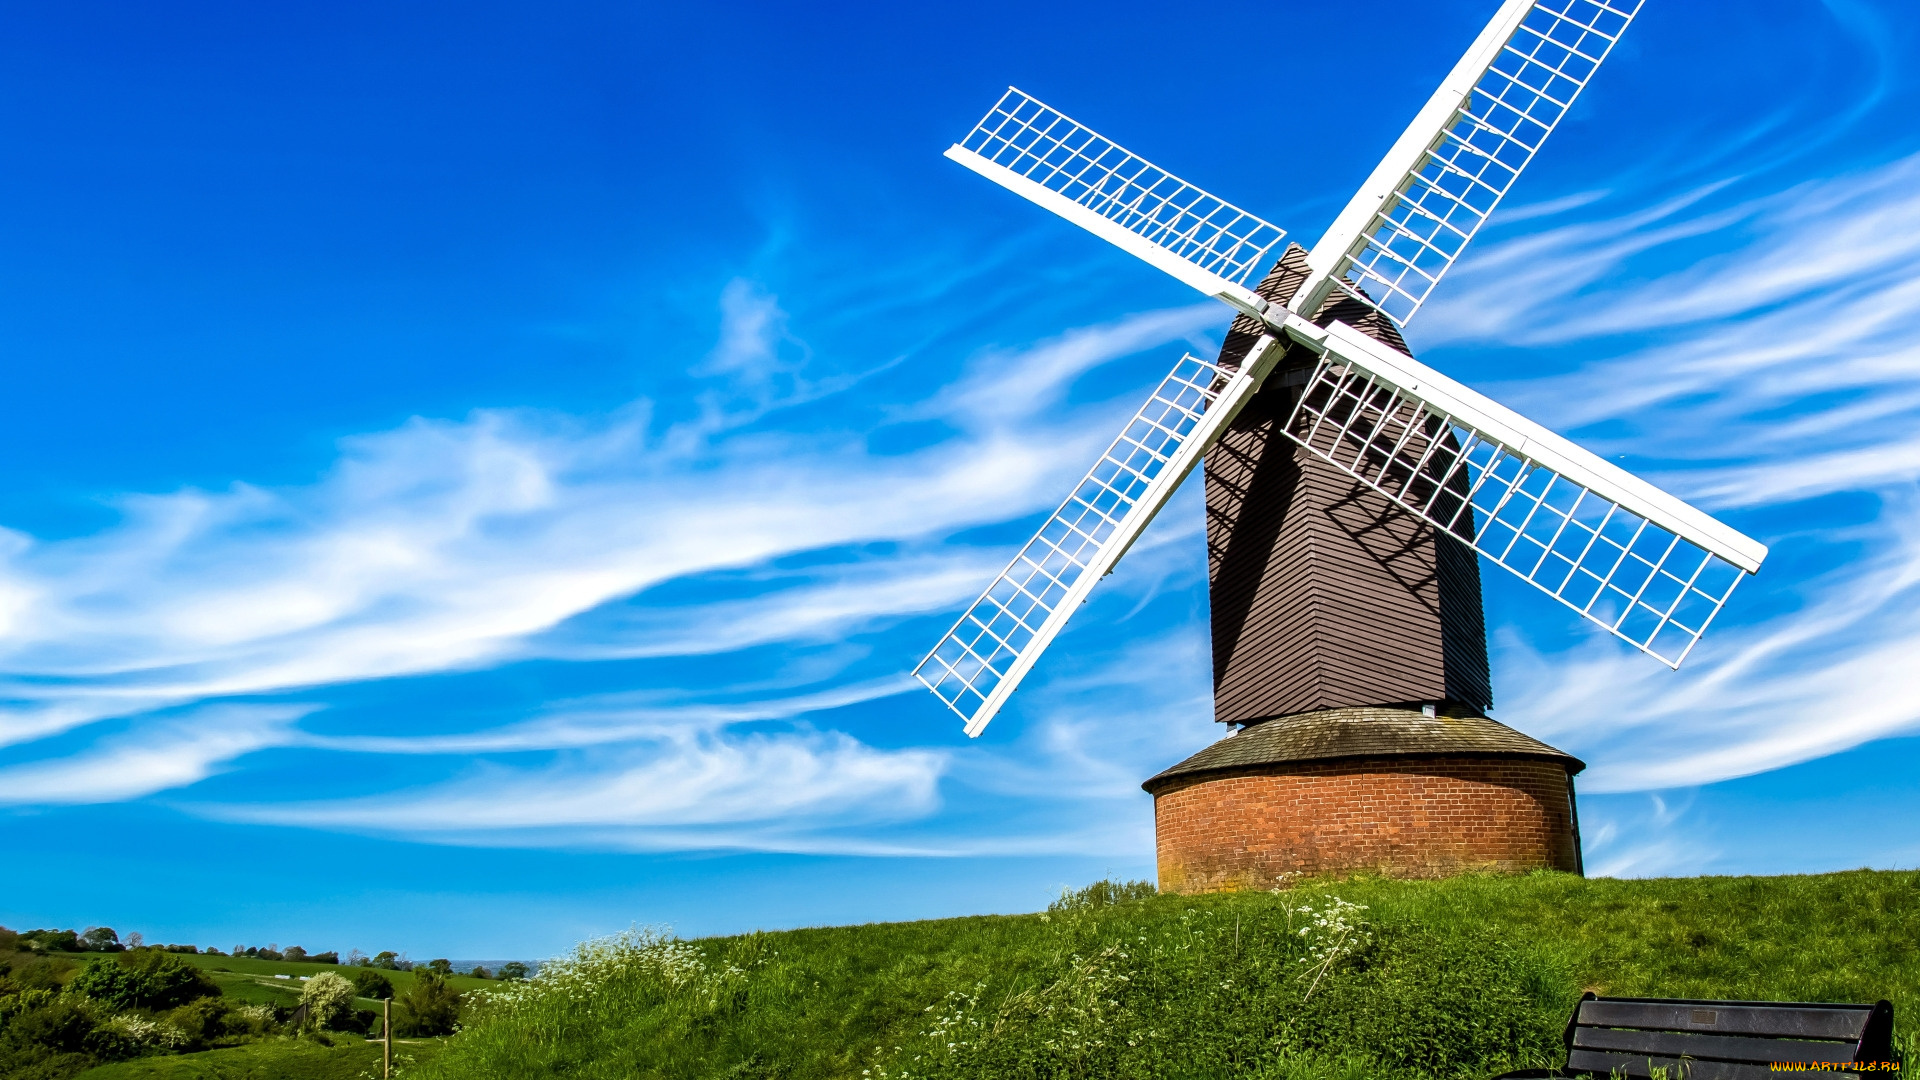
(1461, 977)
(280, 1059)
(1455, 979)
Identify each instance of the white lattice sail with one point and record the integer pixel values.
(1042, 155)
(1632, 558)
(980, 661)
(1464, 151)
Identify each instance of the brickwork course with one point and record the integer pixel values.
(1368, 790)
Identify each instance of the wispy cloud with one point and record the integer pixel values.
(174, 752)
(513, 536)
(685, 787)
(1787, 369)
(450, 544)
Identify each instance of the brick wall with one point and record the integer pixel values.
(1408, 817)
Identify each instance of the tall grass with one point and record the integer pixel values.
(1330, 980)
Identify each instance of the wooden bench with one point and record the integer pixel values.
(1724, 1040)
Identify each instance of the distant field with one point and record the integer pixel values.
(244, 978)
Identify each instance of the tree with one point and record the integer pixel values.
(100, 939)
(433, 1007)
(513, 970)
(442, 967)
(52, 940)
(389, 961)
(369, 983)
(479, 972)
(294, 954)
(323, 958)
(149, 979)
(356, 958)
(329, 1002)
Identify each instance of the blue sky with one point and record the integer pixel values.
(477, 475)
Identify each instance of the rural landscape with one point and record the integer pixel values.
(1327, 980)
(1016, 540)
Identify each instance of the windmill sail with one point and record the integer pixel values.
(1641, 563)
(1409, 222)
(1649, 568)
(986, 654)
(1041, 155)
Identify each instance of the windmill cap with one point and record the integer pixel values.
(1363, 732)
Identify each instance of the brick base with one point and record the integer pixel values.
(1406, 817)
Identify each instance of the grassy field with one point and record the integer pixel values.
(244, 978)
(282, 1059)
(1331, 980)
(1456, 978)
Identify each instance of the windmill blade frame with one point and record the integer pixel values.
(981, 660)
(1408, 223)
(1047, 158)
(1651, 569)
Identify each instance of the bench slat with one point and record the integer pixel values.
(1603, 1064)
(1718, 1047)
(1807, 1022)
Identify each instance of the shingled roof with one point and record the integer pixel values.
(1366, 732)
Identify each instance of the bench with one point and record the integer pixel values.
(1722, 1040)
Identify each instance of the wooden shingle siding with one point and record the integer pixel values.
(1324, 593)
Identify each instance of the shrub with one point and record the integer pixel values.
(479, 973)
(149, 979)
(59, 1036)
(369, 983)
(329, 1002)
(203, 1023)
(433, 1007)
(1102, 894)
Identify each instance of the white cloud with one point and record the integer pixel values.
(1791, 371)
(687, 787)
(171, 753)
(619, 718)
(443, 545)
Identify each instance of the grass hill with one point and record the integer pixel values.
(1327, 981)
(1331, 980)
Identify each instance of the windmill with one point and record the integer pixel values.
(1351, 489)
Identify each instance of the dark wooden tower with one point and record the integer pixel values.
(1324, 593)
(1327, 598)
